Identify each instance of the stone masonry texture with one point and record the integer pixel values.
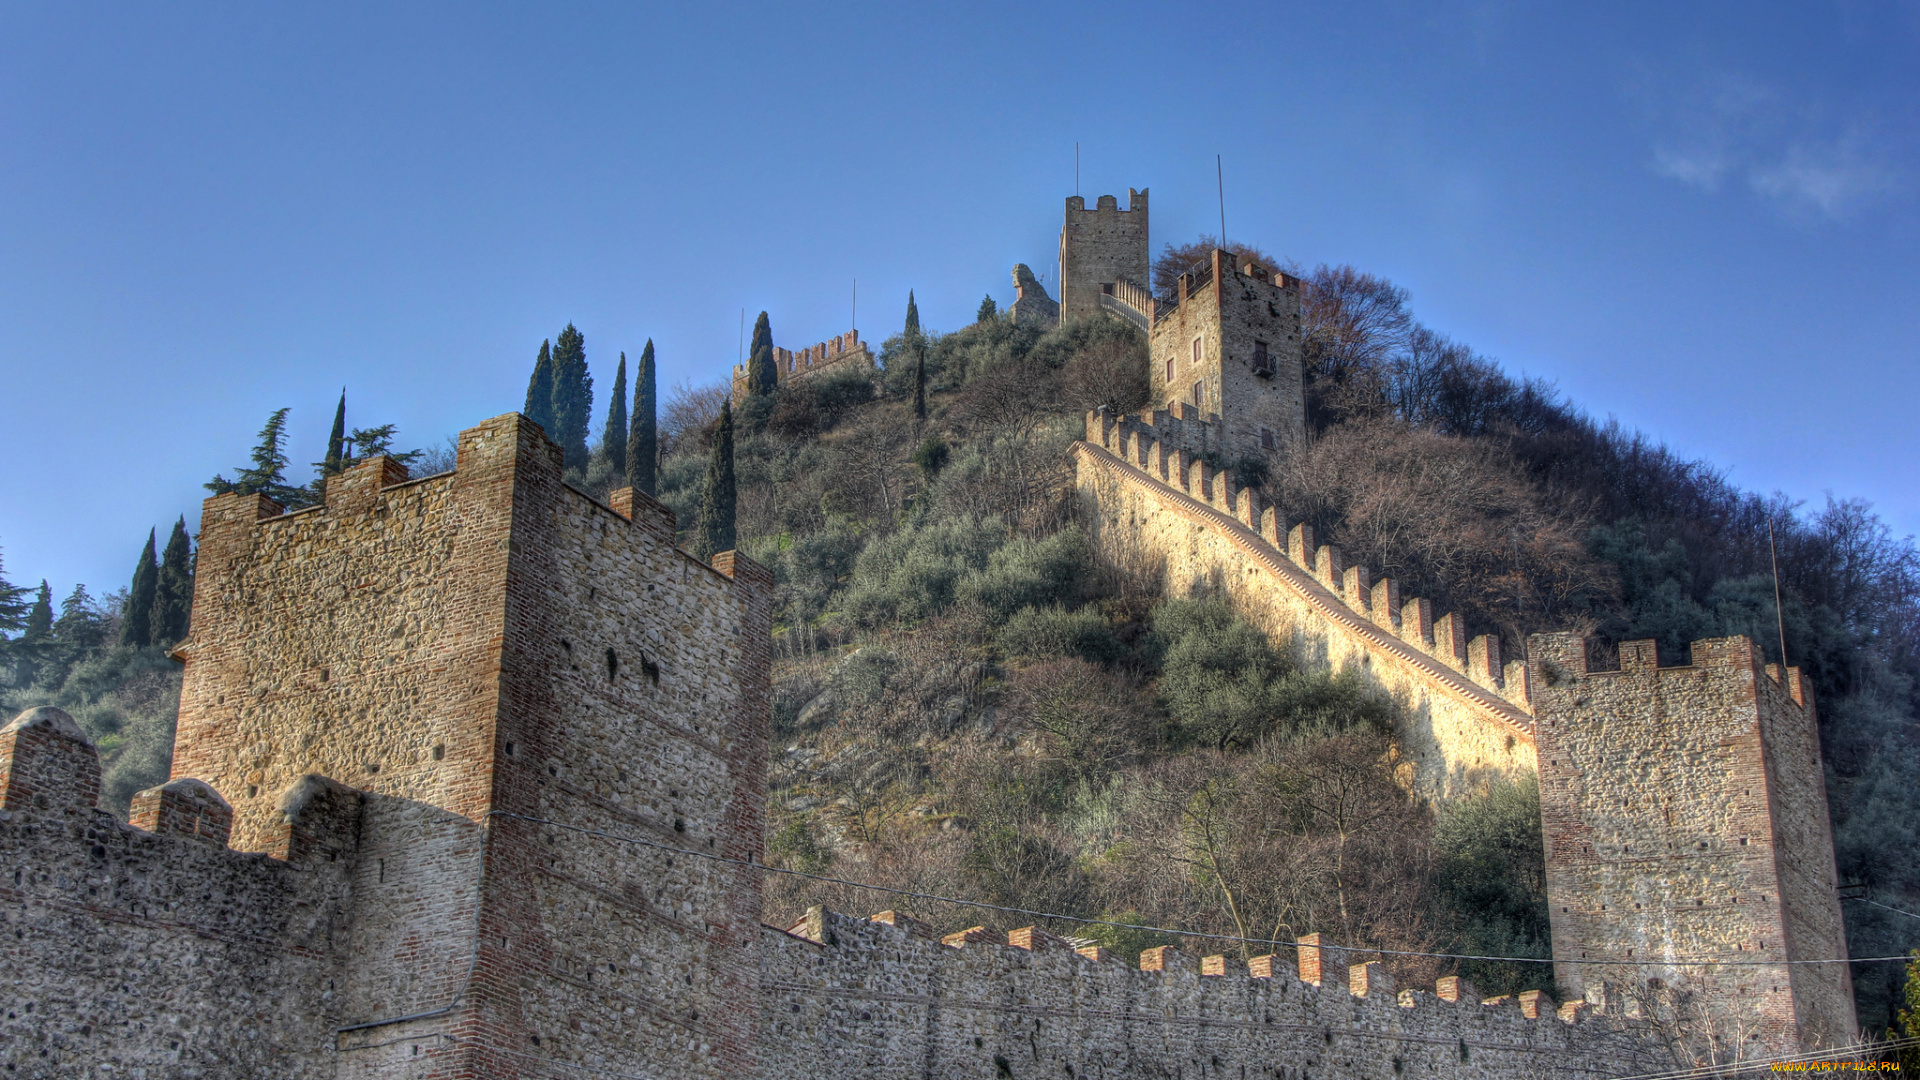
(1101, 246)
(1235, 340)
(1685, 814)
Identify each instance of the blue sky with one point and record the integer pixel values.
(1700, 219)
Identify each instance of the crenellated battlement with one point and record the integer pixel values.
(154, 938)
(839, 986)
(838, 353)
(1162, 445)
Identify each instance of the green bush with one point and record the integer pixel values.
(1027, 573)
(1054, 633)
(912, 573)
(1227, 686)
(1491, 885)
(126, 700)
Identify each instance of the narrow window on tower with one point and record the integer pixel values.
(1262, 363)
(1196, 350)
(1266, 438)
(1198, 398)
(1169, 371)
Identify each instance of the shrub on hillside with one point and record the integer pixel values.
(1054, 633)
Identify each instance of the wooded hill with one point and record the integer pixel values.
(968, 703)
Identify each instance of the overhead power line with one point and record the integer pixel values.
(1030, 913)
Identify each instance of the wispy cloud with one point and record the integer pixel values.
(1726, 132)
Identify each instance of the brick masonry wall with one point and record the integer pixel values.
(1103, 244)
(1171, 515)
(1227, 316)
(1685, 818)
(847, 997)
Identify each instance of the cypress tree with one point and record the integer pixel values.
(572, 396)
(761, 374)
(40, 615)
(173, 597)
(988, 312)
(643, 442)
(919, 383)
(136, 624)
(337, 442)
(913, 317)
(540, 391)
(14, 608)
(36, 644)
(717, 496)
(613, 438)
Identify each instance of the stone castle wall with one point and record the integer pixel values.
(1685, 817)
(156, 950)
(1157, 506)
(541, 703)
(546, 730)
(1104, 244)
(843, 352)
(883, 998)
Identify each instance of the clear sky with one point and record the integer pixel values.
(1698, 218)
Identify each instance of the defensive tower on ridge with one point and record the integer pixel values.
(1102, 246)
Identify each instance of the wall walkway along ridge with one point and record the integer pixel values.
(1157, 505)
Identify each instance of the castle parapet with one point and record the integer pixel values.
(836, 353)
(183, 807)
(47, 764)
(1179, 448)
(954, 1009)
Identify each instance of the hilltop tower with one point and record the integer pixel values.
(1225, 349)
(1685, 818)
(1102, 246)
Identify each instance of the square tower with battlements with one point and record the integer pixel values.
(1226, 348)
(553, 716)
(1688, 850)
(1102, 246)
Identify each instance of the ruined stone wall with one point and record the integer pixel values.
(152, 949)
(1685, 819)
(1103, 244)
(883, 998)
(1152, 504)
(1236, 336)
(844, 352)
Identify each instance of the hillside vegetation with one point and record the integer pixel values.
(969, 703)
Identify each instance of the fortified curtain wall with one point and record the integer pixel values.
(1158, 507)
(832, 355)
(541, 705)
(152, 948)
(885, 999)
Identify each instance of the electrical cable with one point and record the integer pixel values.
(1878, 904)
(1758, 1064)
(1662, 962)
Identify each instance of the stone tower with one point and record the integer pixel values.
(1685, 818)
(514, 675)
(1228, 352)
(1102, 246)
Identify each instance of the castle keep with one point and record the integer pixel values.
(470, 774)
